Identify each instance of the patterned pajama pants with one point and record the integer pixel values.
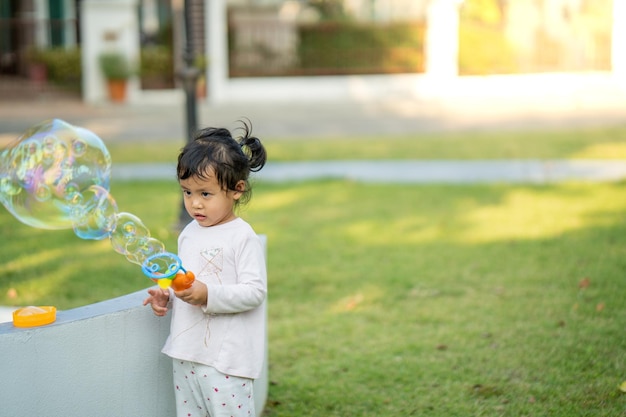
(203, 391)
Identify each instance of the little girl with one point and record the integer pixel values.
(217, 332)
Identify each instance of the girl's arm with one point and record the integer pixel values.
(251, 287)
(249, 291)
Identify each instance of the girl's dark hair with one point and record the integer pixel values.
(230, 159)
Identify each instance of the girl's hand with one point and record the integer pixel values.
(158, 299)
(196, 295)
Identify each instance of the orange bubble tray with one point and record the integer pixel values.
(33, 316)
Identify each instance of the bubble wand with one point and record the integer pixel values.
(56, 176)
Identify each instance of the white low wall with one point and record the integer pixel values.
(101, 360)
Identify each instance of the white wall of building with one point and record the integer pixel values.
(104, 16)
(618, 47)
(107, 25)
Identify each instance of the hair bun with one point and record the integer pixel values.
(255, 151)
(252, 148)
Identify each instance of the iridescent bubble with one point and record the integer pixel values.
(128, 231)
(37, 168)
(139, 250)
(94, 213)
(132, 239)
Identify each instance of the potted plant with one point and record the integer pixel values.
(117, 69)
(37, 69)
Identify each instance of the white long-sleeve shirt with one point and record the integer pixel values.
(229, 332)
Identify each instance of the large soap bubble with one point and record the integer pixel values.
(46, 172)
(56, 176)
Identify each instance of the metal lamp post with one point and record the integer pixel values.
(189, 77)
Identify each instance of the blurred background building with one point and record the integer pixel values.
(41, 41)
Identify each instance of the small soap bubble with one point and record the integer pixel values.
(95, 216)
(139, 250)
(78, 147)
(42, 193)
(129, 230)
(72, 192)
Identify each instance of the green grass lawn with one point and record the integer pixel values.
(593, 143)
(390, 300)
(399, 300)
(444, 300)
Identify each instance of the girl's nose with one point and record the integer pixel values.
(196, 203)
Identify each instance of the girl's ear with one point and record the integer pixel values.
(240, 188)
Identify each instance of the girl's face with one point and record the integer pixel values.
(207, 202)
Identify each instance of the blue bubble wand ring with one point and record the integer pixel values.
(162, 268)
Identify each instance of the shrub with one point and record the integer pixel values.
(63, 66)
(115, 66)
(157, 67)
(343, 47)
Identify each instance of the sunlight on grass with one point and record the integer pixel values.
(275, 200)
(532, 214)
(407, 230)
(42, 257)
(519, 213)
(617, 150)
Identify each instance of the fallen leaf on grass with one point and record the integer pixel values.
(600, 307)
(486, 391)
(584, 283)
(622, 386)
(354, 302)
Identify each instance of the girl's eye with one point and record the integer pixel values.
(205, 194)
(186, 192)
